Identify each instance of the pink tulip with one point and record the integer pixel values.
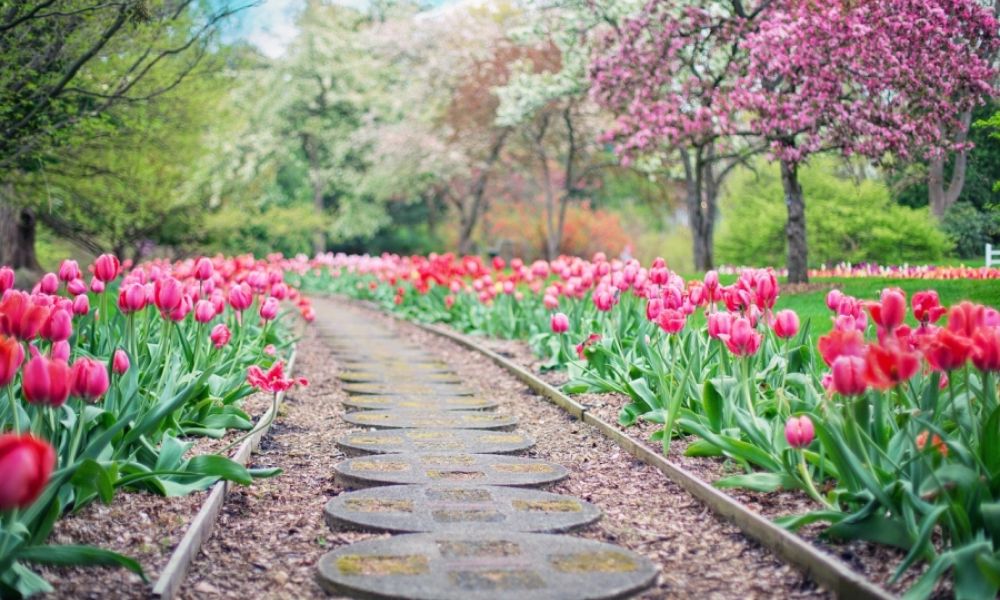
(203, 268)
(559, 323)
(849, 375)
(132, 298)
(69, 270)
(106, 267)
(550, 301)
(799, 431)
(89, 379)
(49, 284)
(240, 297)
(96, 286)
(204, 311)
(269, 309)
(76, 287)
(26, 463)
(786, 324)
(168, 294)
(45, 381)
(719, 324)
(60, 350)
(120, 363)
(833, 300)
(671, 321)
(890, 312)
(81, 305)
(59, 326)
(743, 339)
(220, 335)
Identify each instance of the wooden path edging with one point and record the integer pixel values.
(200, 529)
(823, 568)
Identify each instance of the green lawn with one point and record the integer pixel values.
(811, 306)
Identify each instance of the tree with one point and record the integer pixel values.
(666, 73)
(868, 78)
(67, 65)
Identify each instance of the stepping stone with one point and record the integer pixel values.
(427, 366)
(409, 441)
(390, 388)
(418, 508)
(484, 566)
(383, 375)
(409, 419)
(450, 467)
(425, 403)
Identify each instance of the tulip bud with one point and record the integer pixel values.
(240, 297)
(76, 287)
(60, 350)
(559, 323)
(848, 375)
(269, 309)
(799, 431)
(59, 326)
(132, 298)
(26, 464)
(120, 363)
(167, 294)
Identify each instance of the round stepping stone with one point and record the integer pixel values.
(450, 467)
(425, 403)
(417, 508)
(408, 441)
(383, 375)
(484, 565)
(391, 366)
(390, 388)
(410, 419)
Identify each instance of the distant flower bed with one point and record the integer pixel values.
(889, 271)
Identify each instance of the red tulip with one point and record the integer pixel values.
(786, 323)
(986, 349)
(927, 307)
(848, 375)
(6, 279)
(106, 267)
(26, 464)
(799, 431)
(45, 381)
(220, 335)
(120, 363)
(11, 357)
(203, 268)
(841, 342)
(946, 351)
(889, 364)
(742, 339)
(21, 316)
(89, 379)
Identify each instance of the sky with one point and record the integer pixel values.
(270, 26)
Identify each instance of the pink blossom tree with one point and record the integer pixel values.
(874, 78)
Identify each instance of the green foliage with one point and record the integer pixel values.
(846, 220)
(971, 229)
(260, 230)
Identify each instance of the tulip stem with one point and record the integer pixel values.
(809, 485)
(14, 409)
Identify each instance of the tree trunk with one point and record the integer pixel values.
(17, 233)
(701, 192)
(942, 195)
(309, 145)
(795, 228)
(469, 218)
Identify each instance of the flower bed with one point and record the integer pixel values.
(889, 428)
(109, 382)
